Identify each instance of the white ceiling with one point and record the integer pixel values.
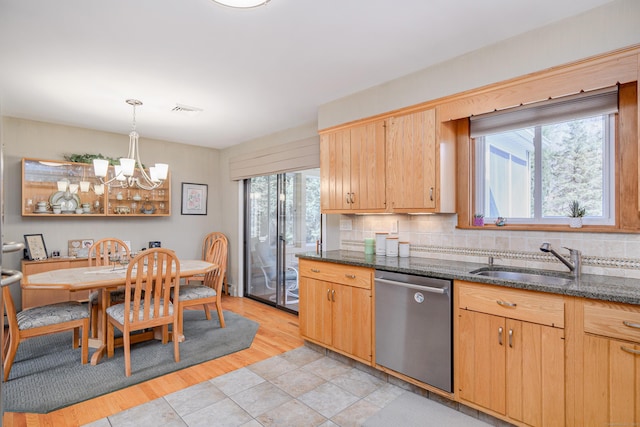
(253, 72)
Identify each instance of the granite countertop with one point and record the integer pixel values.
(607, 288)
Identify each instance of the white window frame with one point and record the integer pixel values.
(608, 202)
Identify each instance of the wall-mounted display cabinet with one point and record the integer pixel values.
(63, 189)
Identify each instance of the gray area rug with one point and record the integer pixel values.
(47, 373)
(411, 410)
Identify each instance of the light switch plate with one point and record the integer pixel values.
(346, 225)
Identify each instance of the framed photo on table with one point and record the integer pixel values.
(194, 199)
(79, 248)
(36, 249)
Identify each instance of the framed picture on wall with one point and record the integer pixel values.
(194, 199)
(36, 249)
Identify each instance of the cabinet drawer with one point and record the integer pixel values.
(360, 277)
(614, 320)
(530, 306)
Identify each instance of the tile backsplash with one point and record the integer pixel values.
(436, 236)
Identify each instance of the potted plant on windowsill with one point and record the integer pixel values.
(478, 220)
(576, 212)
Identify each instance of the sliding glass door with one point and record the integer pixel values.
(282, 218)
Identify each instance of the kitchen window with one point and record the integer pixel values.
(532, 161)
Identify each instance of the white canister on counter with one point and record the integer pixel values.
(381, 243)
(403, 249)
(392, 246)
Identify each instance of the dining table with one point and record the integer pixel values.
(103, 279)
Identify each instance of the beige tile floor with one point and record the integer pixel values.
(302, 387)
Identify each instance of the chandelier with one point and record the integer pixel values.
(125, 171)
(242, 4)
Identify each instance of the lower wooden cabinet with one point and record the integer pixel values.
(338, 313)
(611, 382)
(513, 368)
(529, 358)
(35, 298)
(611, 364)
(510, 368)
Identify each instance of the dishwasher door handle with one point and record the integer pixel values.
(440, 291)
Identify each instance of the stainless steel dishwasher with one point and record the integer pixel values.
(414, 327)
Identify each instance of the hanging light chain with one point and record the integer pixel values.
(145, 181)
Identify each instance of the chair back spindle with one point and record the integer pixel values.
(100, 250)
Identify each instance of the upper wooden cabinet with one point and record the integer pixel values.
(421, 169)
(405, 164)
(40, 184)
(352, 169)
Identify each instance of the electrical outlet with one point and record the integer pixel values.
(394, 227)
(345, 225)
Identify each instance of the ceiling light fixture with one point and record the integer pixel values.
(124, 172)
(242, 4)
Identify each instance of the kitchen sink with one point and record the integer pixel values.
(547, 278)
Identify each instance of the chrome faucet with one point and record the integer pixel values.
(575, 265)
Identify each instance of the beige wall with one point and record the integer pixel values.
(183, 233)
(610, 27)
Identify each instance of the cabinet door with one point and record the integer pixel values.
(368, 164)
(611, 382)
(335, 170)
(315, 310)
(482, 360)
(512, 367)
(535, 373)
(352, 326)
(411, 161)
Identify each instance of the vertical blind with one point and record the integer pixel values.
(586, 104)
(292, 156)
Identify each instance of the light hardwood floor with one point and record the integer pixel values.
(278, 333)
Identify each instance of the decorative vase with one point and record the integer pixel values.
(575, 222)
(478, 221)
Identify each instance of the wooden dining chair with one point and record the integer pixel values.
(43, 320)
(99, 254)
(210, 291)
(206, 244)
(147, 301)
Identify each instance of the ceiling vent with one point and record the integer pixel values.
(181, 108)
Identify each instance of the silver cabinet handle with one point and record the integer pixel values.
(631, 324)
(500, 335)
(328, 292)
(13, 276)
(352, 198)
(630, 350)
(346, 198)
(431, 194)
(506, 304)
(315, 270)
(511, 338)
(333, 295)
(350, 276)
